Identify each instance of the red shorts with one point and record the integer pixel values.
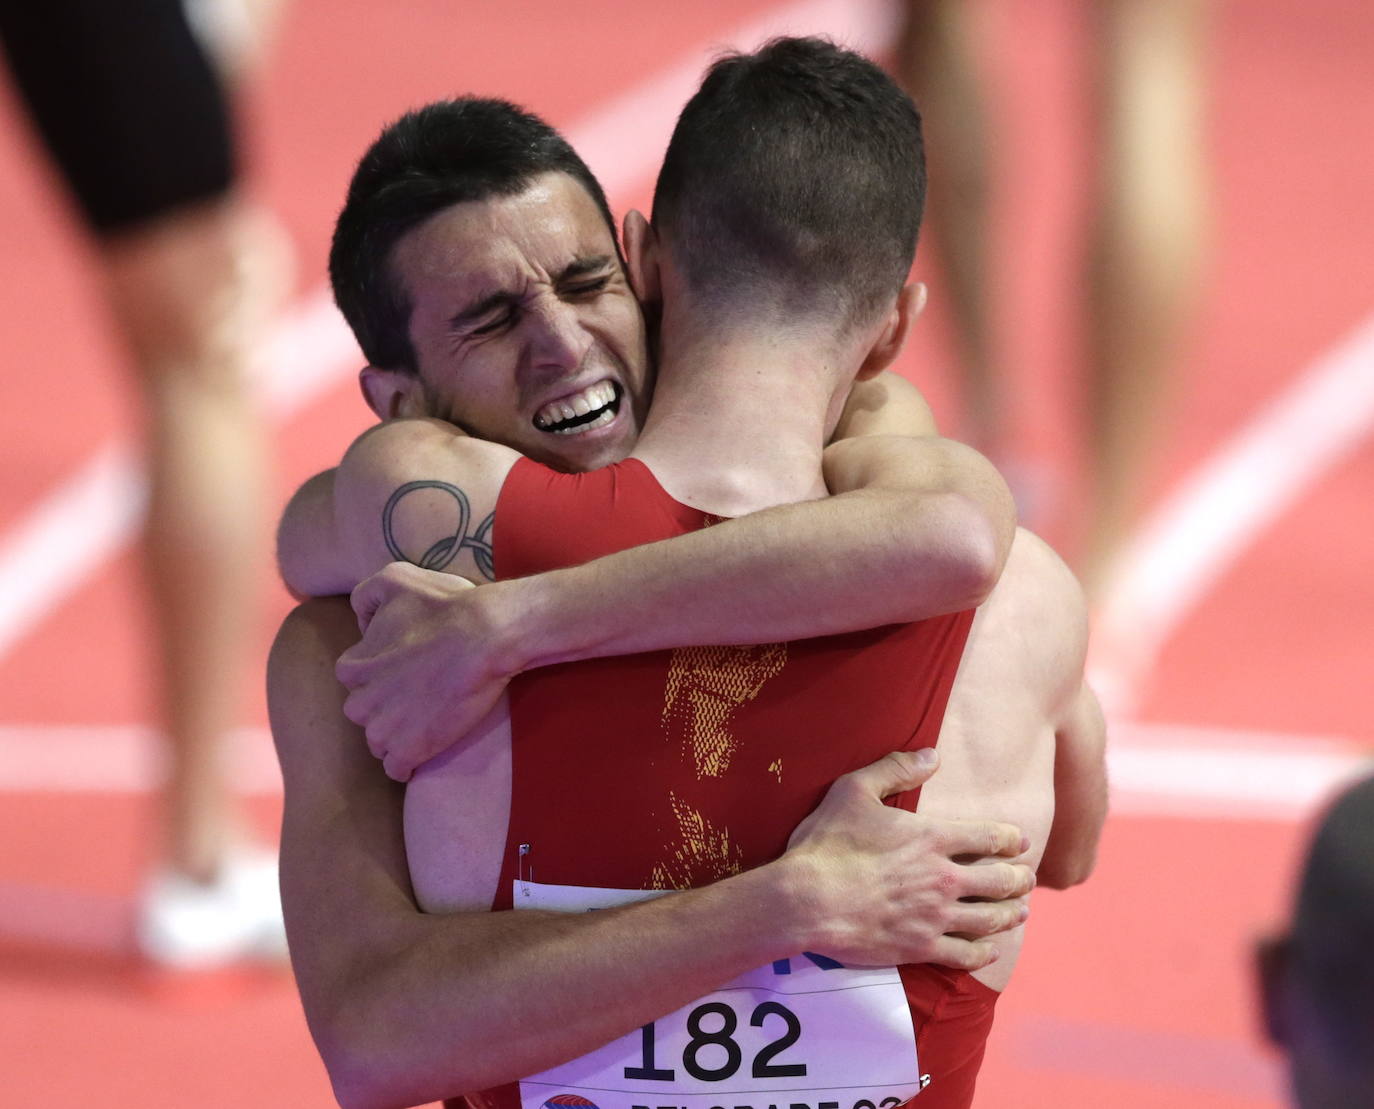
(953, 1013)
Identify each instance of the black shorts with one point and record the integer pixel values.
(127, 102)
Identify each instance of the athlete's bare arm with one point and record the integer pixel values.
(885, 405)
(407, 1007)
(921, 528)
(328, 540)
(403, 488)
(1080, 793)
(1022, 739)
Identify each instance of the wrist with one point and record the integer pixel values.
(549, 618)
(529, 626)
(789, 898)
(510, 623)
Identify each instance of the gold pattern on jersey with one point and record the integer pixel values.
(703, 854)
(706, 685)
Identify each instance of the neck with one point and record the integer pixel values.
(740, 416)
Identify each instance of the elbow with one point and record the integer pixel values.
(292, 581)
(369, 1082)
(981, 559)
(356, 1072)
(292, 572)
(364, 1071)
(1061, 873)
(972, 551)
(1062, 878)
(987, 528)
(374, 1063)
(354, 1092)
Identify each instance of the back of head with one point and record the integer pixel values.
(1317, 981)
(446, 153)
(794, 182)
(1331, 949)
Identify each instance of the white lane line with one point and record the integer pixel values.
(65, 922)
(67, 538)
(1223, 774)
(43, 758)
(93, 515)
(1199, 532)
(1157, 770)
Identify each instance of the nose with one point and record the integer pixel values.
(556, 339)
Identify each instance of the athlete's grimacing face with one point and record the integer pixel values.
(525, 329)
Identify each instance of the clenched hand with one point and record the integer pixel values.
(428, 666)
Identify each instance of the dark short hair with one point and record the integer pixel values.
(443, 154)
(796, 174)
(1330, 948)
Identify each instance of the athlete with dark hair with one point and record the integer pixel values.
(691, 765)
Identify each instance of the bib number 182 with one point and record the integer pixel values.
(722, 1036)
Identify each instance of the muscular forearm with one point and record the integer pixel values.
(408, 1007)
(464, 1003)
(902, 544)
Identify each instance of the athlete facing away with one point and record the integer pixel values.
(736, 358)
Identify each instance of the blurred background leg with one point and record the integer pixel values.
(1146, 250)
(133, 110)
(937, 64)
(183, 293)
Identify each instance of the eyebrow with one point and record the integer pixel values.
(578, 267)
(581, 267)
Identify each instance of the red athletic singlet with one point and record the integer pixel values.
(677, 768)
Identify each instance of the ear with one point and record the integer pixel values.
(641, 257)
(392, 394)
(911, 301)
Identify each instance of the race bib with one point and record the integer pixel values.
(801, 1033)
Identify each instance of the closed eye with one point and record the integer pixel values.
(497, 323)
(587, 288)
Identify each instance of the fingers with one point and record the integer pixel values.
(997, 881)
(351, 667)
(368, 597)
(984, 838)
(396, 768)
(382, 732)
(957, 954)
(893, 773)
(986, 919)
(359, 709)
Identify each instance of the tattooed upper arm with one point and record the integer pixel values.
(419, 491)
(464, 534)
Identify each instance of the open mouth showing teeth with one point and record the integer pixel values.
(594, 407)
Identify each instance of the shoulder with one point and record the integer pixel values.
(1039, 564)
(397, 448)
(420, 491)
